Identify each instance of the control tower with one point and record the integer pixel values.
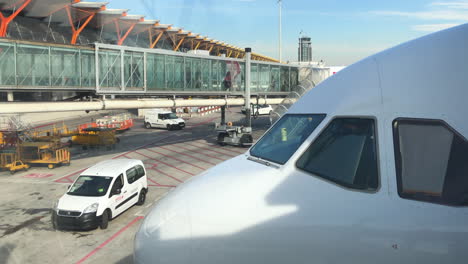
(305, 49)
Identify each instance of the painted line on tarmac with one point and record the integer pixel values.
(162, 162)
(174, 158)
(229, 149)
(68, 176)
(109, 240)
(188, 155)
(158, 184)
(221, 153)
(165, 174)
(198, 152)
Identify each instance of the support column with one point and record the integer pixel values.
(223, 115)
(10, 97)
(248, 52)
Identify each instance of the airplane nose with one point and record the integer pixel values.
(164, 236)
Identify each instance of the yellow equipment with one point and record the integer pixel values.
(96, 136)
(50, 153)
(16, 166)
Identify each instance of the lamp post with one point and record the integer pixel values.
(279, 25)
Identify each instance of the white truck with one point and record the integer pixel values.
(163, 119)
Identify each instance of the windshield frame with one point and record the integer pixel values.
(317, 116)
(103, 193)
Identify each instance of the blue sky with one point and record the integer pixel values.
(342, 31)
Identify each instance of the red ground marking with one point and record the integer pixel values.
(38, 175)
(110, 239)
(158, 184)
(219, 147)
(69, 175)
(193, 157)
(195, 151)
(222, 153)
(167, 164)
(163, 173)
(172, 157)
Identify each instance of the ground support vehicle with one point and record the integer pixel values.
(95, 137)
(234, 135)
(119, 122)
(51, 154)
(101, 193)
(163, 119)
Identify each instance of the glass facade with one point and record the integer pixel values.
(26, 65)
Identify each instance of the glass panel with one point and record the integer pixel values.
(33, 65)
(109, 69)
(431, 162)
(283, 139)
(345, 153)
(65, 67)
(133, 70)
(150, 71)
(242, 77)
(254, 77)
(274, 78)
(264, 75)
(215, 84)
(284, 79)
(179, 73)
(170, 83)
(196, 75)
(188, 74)
(160, 72)
(294, 73)
(7, 63)
(233, 76)
(205, 70)
(88, 72)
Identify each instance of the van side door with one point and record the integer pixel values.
(133, 186)
(119, 195)
(160, 121)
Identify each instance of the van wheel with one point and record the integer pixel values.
(147, 125)
(54, 221)
(104, 220)
(142, 197)
(169, 127)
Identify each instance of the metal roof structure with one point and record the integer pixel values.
(79, 22)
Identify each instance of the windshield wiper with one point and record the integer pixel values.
(262, 161)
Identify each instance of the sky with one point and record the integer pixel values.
(342, 31)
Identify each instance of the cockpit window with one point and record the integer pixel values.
(283, 139)
(345, 153)
(431, 161)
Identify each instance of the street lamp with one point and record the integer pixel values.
(279, 4)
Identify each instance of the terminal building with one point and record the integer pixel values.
(58, 49)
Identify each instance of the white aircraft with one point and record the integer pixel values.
(370, 166)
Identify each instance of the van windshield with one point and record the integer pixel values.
(169, 116)
(285, 137)
(90, 186)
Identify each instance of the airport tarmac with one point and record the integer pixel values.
(170, 157)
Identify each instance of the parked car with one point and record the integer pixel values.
(101, 193)
(256, 109)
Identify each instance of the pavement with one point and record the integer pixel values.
(170, 158)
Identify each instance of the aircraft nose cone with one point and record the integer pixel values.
(164, 236)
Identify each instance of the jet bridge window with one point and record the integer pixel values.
(431, 161)
(344, 153)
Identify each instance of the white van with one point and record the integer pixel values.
(163, 119)
(101, 193)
